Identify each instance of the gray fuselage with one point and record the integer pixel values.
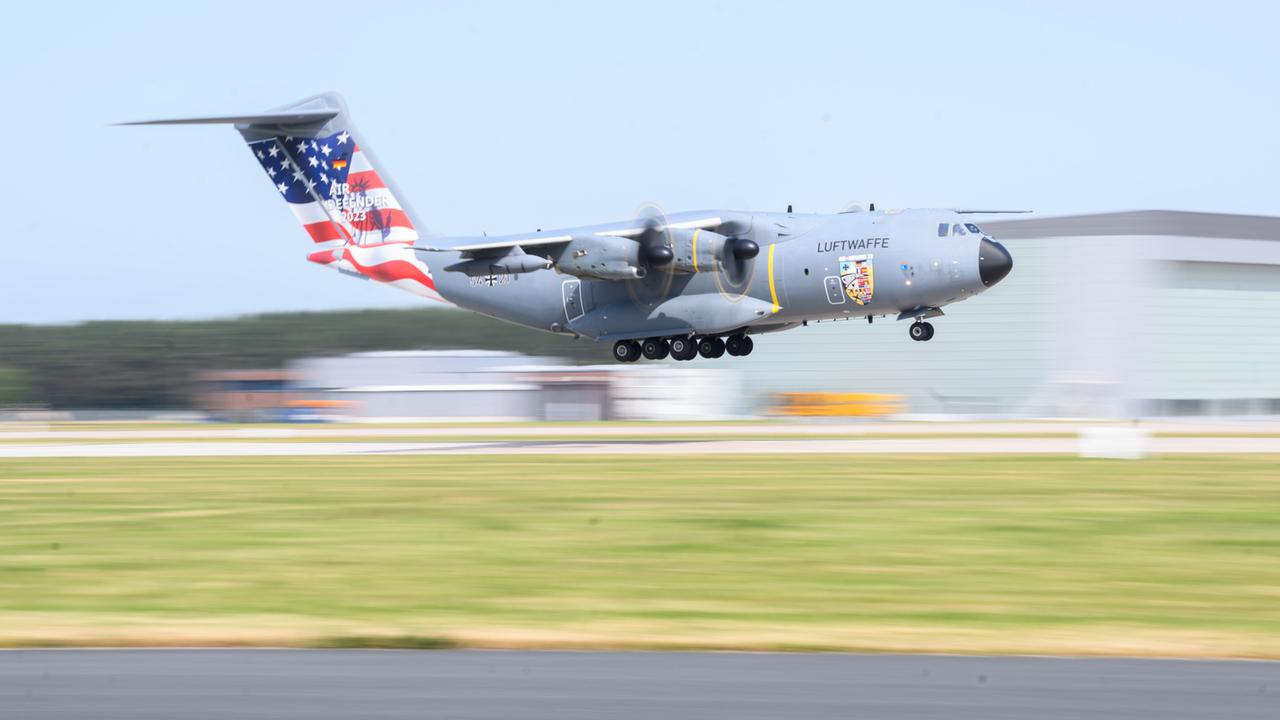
(905, 263)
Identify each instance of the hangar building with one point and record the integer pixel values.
(488, 385)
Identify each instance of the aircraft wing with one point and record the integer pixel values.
(500, 247)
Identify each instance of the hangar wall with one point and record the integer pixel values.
(1107, 315)
(1214, 329)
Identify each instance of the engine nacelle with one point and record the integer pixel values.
(513, 262)
(603, 257)
(697, 250)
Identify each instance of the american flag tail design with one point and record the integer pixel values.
(358, 223)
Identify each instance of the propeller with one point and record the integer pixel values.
(655, 256)
(736, 259)
(655, 244)
(743, 248)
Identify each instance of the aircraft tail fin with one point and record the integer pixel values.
(315, 158)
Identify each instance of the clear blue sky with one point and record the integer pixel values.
(505, 117)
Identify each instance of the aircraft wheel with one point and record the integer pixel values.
(626, 351)
(655, 348)
(739, 345)
(711, 347)
(921, 331)
(682, 348)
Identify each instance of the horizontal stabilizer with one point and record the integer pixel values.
(288, 117)
(990, 212)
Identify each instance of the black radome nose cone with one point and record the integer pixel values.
(994, 262)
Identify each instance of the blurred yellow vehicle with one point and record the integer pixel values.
(806, 404)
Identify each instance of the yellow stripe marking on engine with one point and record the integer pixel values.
(773, 288)
(695, 249)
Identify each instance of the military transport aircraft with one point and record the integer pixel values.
(693, 283)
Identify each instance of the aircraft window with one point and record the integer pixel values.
(973, 228)
(943, 230)
(958, 230)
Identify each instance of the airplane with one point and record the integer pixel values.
(682, 285)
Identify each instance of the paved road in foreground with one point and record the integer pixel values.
(318, 684)
(463, 430)
(982, 445)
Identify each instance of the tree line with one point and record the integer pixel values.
(152, 364)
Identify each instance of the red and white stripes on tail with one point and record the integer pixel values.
(392, 263)
(344, 205)
(366, 207)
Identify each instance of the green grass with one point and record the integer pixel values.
(1177, 556)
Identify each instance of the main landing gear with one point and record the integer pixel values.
(739, 345)
(920, 331)
(682, 347)
(711, 347)
(626, 351)
(655, 348)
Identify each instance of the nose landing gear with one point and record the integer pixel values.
(920, 331)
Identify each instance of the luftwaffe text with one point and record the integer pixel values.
(858, 244)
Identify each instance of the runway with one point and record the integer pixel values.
(749, 446)
(320, 684)
(533, 430)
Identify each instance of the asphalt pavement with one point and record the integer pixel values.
(482, 684)
(907, 446)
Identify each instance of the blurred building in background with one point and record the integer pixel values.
(244, 395)
(1152, 313)
(486, 385)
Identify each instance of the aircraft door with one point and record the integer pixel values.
(835, 290)
(574, 307)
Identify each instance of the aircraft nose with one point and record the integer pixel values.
(994, 262)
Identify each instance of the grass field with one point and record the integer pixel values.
(950, 554)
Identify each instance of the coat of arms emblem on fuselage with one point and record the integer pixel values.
(858, 278)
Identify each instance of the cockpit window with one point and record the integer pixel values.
(944, 230)
(958, 230)
(973, 228)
